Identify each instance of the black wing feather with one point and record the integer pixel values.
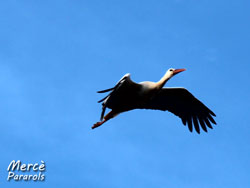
(182, 103)
(122, 97)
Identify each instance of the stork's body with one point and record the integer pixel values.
(128, 95)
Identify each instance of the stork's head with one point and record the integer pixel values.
(171, 72)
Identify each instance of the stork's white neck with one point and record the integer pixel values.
(164, 79)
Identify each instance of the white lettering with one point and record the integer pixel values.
(10, 175)
(42, 166)
(42, 177)
(25, 177)
(35, 167)
(16, 177)
(14, 164)
(29, 166)
(23, 167)
(17, 166)
(35, 177)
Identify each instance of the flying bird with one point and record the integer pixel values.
(128, 95)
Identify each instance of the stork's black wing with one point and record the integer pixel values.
(183, 104)
(122, 97)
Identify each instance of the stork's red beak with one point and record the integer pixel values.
(176, 71)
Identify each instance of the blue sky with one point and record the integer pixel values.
(55, 55)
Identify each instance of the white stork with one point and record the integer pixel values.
(128, 95)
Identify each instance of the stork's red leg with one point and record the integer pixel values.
(97, 124)
(110, 115)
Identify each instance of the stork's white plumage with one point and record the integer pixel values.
(128, 95)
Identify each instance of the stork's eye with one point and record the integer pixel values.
(171, 69)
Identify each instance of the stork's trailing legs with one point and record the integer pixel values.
(110, 115)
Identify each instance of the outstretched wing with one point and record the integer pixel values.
(183, 104)
(122, 97)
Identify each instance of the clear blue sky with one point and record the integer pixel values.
(55, 55)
